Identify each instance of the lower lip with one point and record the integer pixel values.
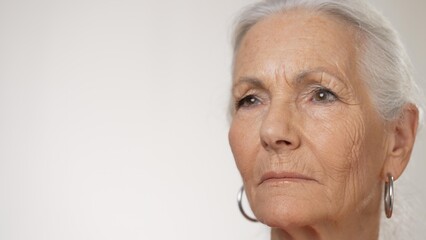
(285, 180)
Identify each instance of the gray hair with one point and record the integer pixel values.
(383, 62)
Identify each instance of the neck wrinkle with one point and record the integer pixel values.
(366, 228)
(295, 234)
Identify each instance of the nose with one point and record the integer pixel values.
(278, 130)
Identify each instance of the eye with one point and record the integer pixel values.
(323, 95)
(247, 101)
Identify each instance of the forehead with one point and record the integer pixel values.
(297, 41)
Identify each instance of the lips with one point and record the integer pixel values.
(284, 176)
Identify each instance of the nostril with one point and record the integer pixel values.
(278, 143)
(283, 142)
(264, 144)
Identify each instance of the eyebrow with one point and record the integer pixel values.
(253, 81)
(299, 79)
(303, 75)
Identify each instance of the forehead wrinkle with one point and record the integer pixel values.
(280, 74)
(298, 80)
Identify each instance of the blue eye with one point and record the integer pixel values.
(247, 101)
(323, 95)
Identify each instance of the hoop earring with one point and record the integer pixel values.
(240, 205)
(389, 196)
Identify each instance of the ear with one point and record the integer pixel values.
(402, 134)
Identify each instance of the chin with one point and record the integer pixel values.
(287, 209)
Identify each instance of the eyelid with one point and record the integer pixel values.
(260, 95)
(238, 95)
(330, 96)
(316, 87)
(240, 102)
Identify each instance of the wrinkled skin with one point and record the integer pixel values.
(303, 108)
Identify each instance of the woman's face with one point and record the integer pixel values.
(305, 136)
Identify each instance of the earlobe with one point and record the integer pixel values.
(402, 133)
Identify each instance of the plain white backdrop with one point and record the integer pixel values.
(113, 120)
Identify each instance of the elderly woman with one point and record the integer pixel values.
(324, 116)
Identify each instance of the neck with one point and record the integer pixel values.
(361, 226)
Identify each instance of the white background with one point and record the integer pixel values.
(113, 120)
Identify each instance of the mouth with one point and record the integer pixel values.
(277, 177)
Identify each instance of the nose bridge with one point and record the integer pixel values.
(278, 130)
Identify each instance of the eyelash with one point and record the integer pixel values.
(252, 100)
(328, 97)
(247, 101)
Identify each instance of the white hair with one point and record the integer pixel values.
(384, 64)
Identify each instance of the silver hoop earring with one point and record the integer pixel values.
(240, 205)
(389, 195)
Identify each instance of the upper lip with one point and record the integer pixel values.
(284, 175)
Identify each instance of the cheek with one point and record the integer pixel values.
(243, 139)
(337, 140)
(336, 137)
(342, 146)
(345, 142)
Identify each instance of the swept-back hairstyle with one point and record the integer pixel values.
(383, 62)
